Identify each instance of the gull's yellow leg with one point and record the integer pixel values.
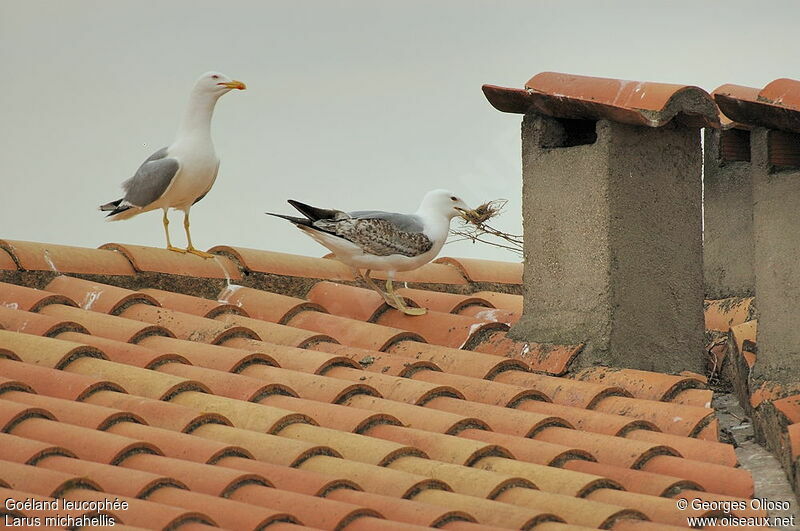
(190, 248)
(166, 231)
(365, 276)
(400, 303)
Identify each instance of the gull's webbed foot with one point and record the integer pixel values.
(198, 252)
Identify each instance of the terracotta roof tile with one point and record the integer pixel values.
(632, 102)
(223, 358)
(625, 453)
(41, 480)
(790, 407)
(56, 383)
(310, 386)
(157, 260)
(529, 450)
(586, 419)
(794, 440)
(197, 476)
(125, 353)
(188, 326)
(45, 351)
(561, 390)
(80, 414)
(431, 273)
(713, 478)
(21, 298)
(157, 412)
(380, 480)
(6, 261)
(36, 324)
(548, 478)
(638, 481)
(441, 301)
(483, 391)
(462, 362)
(722, 314)
(292, 336)
(351, 332)
(33, 256)
(86, 443)
(114, 479)
(490, 271)
(435, 421)
(640, 384)
(347, 301)
(225, 384)
(671, 418)
(272, 307)
(143, 382)
(690, 448)
(400, 510)
(492, 315)
(319, 512)
(393, 387)
(27, 451)
(277, 450)
(111, 327)
(506, 301)
(226, 512)
(376, 361)
(553, 359)
(242, 414)
(580, 512)
(298, 359)
(658, 509)
(12, 414)
(149, 514)
(285, 264)
(335, 416)
(498, 418)
(446, 329)
(463, 480)
(96, 296)
(191, 304)
(776, 106)
(291, 479)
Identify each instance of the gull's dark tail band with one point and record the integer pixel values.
(114, 207)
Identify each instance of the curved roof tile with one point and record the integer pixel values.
(630, 102)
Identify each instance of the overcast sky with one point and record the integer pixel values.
(352, 105)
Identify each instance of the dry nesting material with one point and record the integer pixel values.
(483, 213)
(476, 228)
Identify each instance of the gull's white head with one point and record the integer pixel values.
(217, 84)
(443, 202)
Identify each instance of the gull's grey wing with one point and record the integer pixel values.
(403, 222)
(379, 233)
(151, 179)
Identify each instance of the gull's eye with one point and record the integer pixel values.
(215, 76)
(453, 198)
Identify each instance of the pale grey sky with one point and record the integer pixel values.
(355, 105)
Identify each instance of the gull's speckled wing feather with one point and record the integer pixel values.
(379, 233)
(151, 179)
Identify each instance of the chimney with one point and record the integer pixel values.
(773, 113)
(612, 218)
(728, 208)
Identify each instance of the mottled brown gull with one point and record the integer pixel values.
(383, 241)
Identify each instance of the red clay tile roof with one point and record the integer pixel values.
(300, 399)
(631, 102)
(776, 106)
